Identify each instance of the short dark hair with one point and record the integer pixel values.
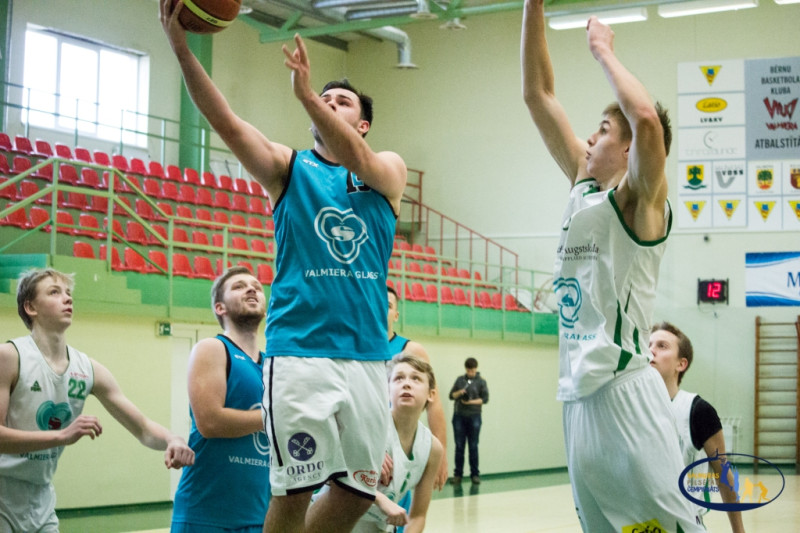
(613, 109)
(218, 288)
(685, 349)
(390, 290)
(28, 283)
(364, 100)
(471, 362)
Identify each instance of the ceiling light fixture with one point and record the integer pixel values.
(325, 4)
(455, 24)
(378, 12)
(785, 2)
(612, 16)
(423, 11)
(701, 7)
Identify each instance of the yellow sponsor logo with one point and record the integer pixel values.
(695, 207)
(651, 526)
(729, 207)
(710, 72)
(711, 105)
(795, 205)
(765, 208)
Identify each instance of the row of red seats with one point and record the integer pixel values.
(88, 226)
(414, 251)
(416, 292)
(199, 267)
(41, 149)
(184, 194)
(460, 276)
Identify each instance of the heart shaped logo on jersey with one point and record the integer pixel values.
(343, 232)
(53, 416)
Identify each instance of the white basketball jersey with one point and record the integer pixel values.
(406, 473)
(682, 407)
(605, 282)
(43, 400)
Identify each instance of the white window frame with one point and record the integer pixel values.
(108, 114)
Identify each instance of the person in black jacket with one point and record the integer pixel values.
(469, 392)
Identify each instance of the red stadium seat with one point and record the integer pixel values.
(62, 150)
(160, 259)
(102, 158)
(225, 183)
(67, 174)
(16, 218)
(191, 176)
(181, 266)
(173, 173)
(118, 161)
(116, 263)
(42, 148)
(265, 274)
(222, 200)
(82, 250)
(203, 268)
(134, 262)
(134, 232)
(83, 154)
(155, 170)
(137, 166)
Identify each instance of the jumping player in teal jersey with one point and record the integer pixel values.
(335, 208)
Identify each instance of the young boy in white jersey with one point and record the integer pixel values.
(623, 454)
(435, 409)
(43, 385)
(415, 453)
(699, 426)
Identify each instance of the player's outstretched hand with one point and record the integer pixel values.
(386, 470)
(300, 66)
(83, 426)
(599, 36)
(169, 21)
(395, 515)
(178, 454)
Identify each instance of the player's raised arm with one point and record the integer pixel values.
(646, 178)
(383, 171)
(265, 160)
(148, 432)
(538, 90)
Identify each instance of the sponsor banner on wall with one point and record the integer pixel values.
(772, 279)
(738, 144)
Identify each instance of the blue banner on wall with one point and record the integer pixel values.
(772, 279)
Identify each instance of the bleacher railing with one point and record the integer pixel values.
(523, 288)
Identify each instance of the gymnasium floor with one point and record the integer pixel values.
(539, 502)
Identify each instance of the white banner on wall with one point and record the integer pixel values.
(772, 279)
(739, 144)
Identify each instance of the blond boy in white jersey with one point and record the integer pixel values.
(622, 450)
(43, 385)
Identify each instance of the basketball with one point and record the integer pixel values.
(208, 16)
